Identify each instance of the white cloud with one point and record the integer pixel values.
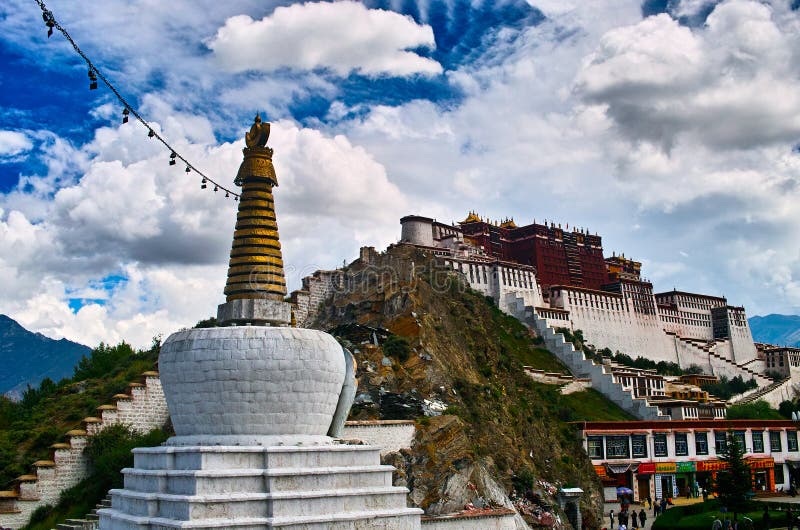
(13, 143)
(343, 36)
(728, 85)
(132, 215)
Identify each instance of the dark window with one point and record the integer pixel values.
(738, 437)
(595, 446)
(791, 440)
(720, 441)
(660, 444)
(617, 447)
(758, 441)
(639, 445)
(779, 478)
(775, 441)
(681, 444)
(701, 443)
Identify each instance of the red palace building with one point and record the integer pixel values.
(561, 257)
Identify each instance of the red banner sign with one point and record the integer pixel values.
(711, 465)
(646, 467)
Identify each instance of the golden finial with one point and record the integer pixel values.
(259, 133)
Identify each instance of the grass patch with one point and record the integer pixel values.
(591, 405)
(541, 359)
(700, 516)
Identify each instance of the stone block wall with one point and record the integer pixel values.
(502, 519)
(143, 408)
(389, 435)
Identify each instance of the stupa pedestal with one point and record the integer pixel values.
(252, 406)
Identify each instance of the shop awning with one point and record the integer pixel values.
(622, 467)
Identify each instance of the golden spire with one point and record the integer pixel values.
(255, 270)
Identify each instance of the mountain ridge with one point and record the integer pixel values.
(781, 330)
(31, 357)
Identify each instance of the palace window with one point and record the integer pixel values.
(791, 440)
(681, 444)
(758, 441)
(775, 441)
(720, 441)
(595, 446)
(617, 447)
(701, 443)
(660, 444)
(639, 445)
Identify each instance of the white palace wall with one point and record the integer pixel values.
(510, 285)
(607, 322)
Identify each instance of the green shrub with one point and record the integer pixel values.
(397, 347)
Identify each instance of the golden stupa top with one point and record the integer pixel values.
(258, 134)
(257, 161)
(508, 223)
(472, 218)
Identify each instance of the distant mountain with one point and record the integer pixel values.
(783, 330)
(27, 357)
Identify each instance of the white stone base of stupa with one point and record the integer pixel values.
(320, 487)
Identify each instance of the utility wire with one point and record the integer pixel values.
(95, 74)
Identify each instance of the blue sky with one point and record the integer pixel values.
(667, 126)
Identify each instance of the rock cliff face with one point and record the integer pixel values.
(426, 344)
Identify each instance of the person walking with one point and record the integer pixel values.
(649, 501)
(642, 517)
(655, 508)
(766, 518)
(611, 518)
(717, 524)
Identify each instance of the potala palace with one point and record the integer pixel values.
(564, 276)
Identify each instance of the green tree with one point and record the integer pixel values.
(757, 410)
(786, 408)
(734, 486)
(103, 360)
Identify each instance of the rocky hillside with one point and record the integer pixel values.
(425, 343)
(29, 357)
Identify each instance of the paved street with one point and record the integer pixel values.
(683, 502)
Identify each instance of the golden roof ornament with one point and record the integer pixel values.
(258, 135)
(257, 156)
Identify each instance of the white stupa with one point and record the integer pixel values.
(256, 406)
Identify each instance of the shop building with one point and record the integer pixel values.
(665, 459)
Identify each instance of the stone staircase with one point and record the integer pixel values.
(90, 522)
(720, 365)
(755, 395)
(289, 487)
(582, 367)
(142, 407)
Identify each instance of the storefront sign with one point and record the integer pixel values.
(761, 463)
(601, 471)
(685, 467)
(711, 465)
(665, 467)
(647, 468)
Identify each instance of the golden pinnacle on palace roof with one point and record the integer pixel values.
(255, 271)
